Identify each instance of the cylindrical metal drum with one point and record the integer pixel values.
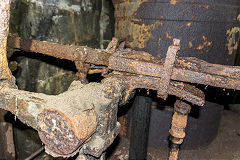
(208, 29)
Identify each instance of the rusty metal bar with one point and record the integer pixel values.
(153, 69)
(129, 70)
(179, 123)
(207, 74)
(168, 68)
(179, 89)
(72, 53)
(4, 23)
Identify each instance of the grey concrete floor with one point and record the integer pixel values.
(226, 146)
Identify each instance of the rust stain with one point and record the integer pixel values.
(126, 25)
(4, 29)
(232, 39)
(173, 2)
(205, 44)
(139, 33)
(189, 24)
(55, 131)
(206, 7)
(168, 36)
(238, 17)
(125, 8)
(190, 45)
(159, 40)
(5, 72)
(85, 124)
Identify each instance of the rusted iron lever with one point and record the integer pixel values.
(124, 67)
(187, 69)
(139, 70)
(135, 63)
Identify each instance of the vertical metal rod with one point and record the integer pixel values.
(177, 131)
(5, 73)
(140, 128)
(4, 29)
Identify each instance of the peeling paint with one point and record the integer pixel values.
(238, 17)
(174, 2)
(126, 26)
(189, 24)
(168, 36)
(232, 39)
(190, 45)
(140, 33)
(159, 40)
(205, 44)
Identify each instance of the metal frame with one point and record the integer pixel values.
(68, 126)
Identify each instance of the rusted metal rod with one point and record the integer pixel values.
(177, 131)
(72, 53)
(185, 69)
(35, 154)
(123, 64)
(179, 89)
(4, 29)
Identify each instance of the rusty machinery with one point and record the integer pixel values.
(84, 119)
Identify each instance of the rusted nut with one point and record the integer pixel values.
(176, 140)
(63, 135)
(182, 107)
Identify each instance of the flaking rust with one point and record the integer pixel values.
(4, 23)
(63, 135)
(167, 68)
(125, 70)
(84, 118)
(179, 123)
(126, 22)
(233, 39)
(55, 131)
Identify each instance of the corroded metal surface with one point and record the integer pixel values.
(179, 123)
(64, 122)
(207, 29)
(56, 133)
(126, 70)
(63, 135)
(73, 53)
(142, 63)
(4, 22)
(167, 68)
(179, 89)
(153, 69)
